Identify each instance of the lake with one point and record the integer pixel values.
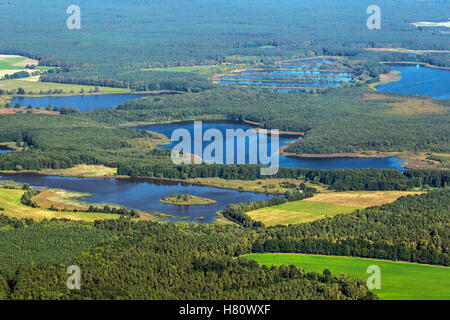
(144, 194)
(284, 161)
(4, 149)
(84, 103)
(305, 74)
(434, 83)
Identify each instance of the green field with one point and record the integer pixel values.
(37, 86)
(298, 212)
(9, 63)
(399, 280)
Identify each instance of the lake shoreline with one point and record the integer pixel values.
(8, 98)
(408, 63)
(184, 183)
(386, 78)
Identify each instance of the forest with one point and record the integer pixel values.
(119, 41)
(192, 261)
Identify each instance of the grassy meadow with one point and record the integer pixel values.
(11, 63)
(10, 205)
(399, 280)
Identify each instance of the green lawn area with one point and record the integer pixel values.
(399, 280)
(298, 212)
(9, 63)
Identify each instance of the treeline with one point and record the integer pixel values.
(16, 75)
(413, 228)
(13, 223)
(107, 209)
(26, 198)
(339, 180)
(138, 81)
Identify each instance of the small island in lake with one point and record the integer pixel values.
(186, 200)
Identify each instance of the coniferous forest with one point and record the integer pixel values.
(177, 55)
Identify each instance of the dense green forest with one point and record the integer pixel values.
(187, 262)
(118, 40)
(190, 261)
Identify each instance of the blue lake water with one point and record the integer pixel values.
(145, 194)
(84, 103)
(6, 151)
(424, 81)
(312, 73)
(284, 161)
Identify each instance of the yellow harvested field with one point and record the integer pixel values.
(83, 170)
(417, 106)
(361, 199)
(298, 212)
(323, 205)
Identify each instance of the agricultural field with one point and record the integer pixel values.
(360, 199)
(11, 205)
(323, 205)
(399, 280)
(298, 212)
(10, 64)
(15, 62)
(36, 86)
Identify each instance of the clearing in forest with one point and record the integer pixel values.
(399, 280)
